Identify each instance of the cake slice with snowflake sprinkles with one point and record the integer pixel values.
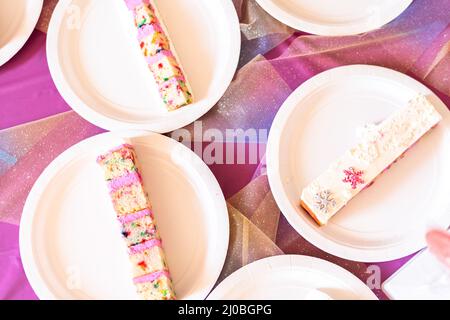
(380, 147)
(160, 55)
(138, 227)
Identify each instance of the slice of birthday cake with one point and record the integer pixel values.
(134, 213)
(160, 54)
(380, 146)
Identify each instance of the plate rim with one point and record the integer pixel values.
(310, 233)
(111, 124)
(26, 246)
(8, 52)
(291, 260)
(301, 24)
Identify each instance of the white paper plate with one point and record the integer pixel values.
(334, 18)
(17, 21)
(98, 68)
(318, 123)
(70, 241)
(292, 277)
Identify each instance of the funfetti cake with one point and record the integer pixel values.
(138, 228)
(160, 54)
(380, 146)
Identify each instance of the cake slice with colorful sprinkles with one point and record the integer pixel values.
(135, 215)
(160, 55)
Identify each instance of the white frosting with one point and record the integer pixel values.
(379, 146)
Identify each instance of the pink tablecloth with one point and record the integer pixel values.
(36, 124)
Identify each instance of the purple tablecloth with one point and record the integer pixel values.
(36, 124)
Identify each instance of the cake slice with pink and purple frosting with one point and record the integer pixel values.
(160, 55)
(138, 227)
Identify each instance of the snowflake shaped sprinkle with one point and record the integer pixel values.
(354, 177)
(324, 200)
